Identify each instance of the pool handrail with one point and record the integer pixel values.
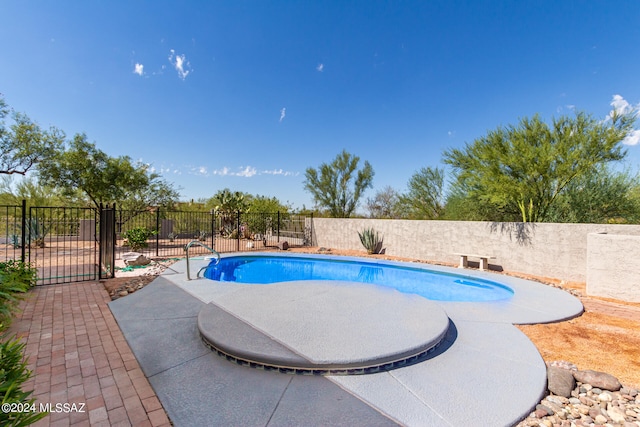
(197, 242)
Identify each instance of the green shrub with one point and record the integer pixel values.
(13, 374)
(16, 277)
(137, 237)
(371, 240)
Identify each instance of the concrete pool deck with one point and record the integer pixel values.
(484, 372)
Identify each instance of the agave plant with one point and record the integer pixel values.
(371, 240)
(38, 230)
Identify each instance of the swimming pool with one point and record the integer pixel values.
(430, 284)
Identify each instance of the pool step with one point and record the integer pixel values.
(309, 335)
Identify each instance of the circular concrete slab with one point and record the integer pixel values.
(322, 326)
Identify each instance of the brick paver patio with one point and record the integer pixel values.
(78, 355)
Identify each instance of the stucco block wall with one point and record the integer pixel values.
(613, 266)
(541, 249)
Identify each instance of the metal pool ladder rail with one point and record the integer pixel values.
(197, 242)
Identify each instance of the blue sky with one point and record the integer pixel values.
(248, 94)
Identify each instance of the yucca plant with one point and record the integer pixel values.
(371, 240)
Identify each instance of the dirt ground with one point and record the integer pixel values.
(606, 337)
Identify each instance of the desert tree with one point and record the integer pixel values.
(105, 179)
(424, 198)
(519, 171)
(602, 195)
(24, 144)
(13, 191)
(384, 204)
(338, 186)
(262, 204)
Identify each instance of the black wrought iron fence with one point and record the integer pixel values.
(171, 230)
(70, 244)
(252, 231)
(12, 221)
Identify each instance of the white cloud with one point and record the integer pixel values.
(138, 69)
(180, 63)
(633, 138)
(620, 105)
(223, 172)
(198, 170)
(247, 172)
(283, 113)
(278, 172)
(320, 67)
(242, 171)
(561, 108)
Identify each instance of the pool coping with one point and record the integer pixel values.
(485, 363)
(531, 303)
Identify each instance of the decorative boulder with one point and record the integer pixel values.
(560, 381)
(598, 379)
(283, 245)
(135, 259)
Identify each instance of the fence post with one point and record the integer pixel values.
(107, 241)
(157, 230)
(114, 240)
(278, 227)
(100, 237)
(238, 233)
(24, 230)
(212, 212)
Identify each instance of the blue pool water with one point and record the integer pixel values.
(430, 284)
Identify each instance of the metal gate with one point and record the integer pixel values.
(61, 243)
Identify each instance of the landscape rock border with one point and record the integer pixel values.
(596, 399)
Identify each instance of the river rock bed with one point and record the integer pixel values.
(600, 402)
